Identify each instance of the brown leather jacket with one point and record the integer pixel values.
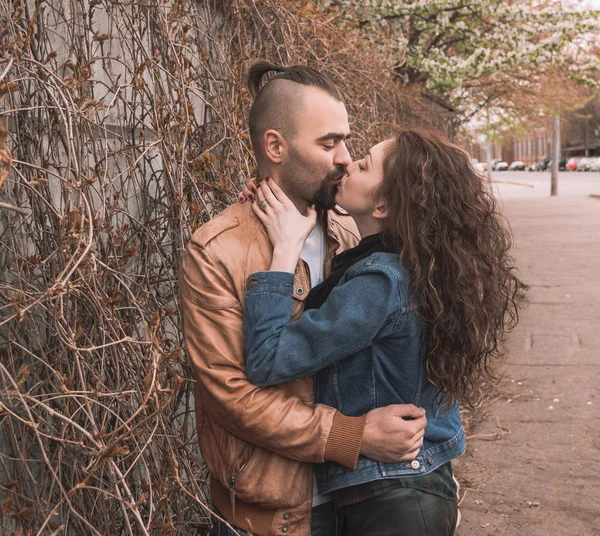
(258, 444)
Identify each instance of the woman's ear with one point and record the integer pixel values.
(275, 146)
(380, 211)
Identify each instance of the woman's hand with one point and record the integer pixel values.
(287, 228)
(249, 191)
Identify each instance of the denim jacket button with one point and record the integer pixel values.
(430, 460)
(415, 464)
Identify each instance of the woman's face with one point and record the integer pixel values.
(356, 191)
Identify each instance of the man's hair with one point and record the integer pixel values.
(277, 100)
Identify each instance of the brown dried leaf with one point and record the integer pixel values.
(79, 331)
(23, 374)
(5, 164)
(208, 157)
(8, 87)
(102, 37)
(119, 451)
(22, 515)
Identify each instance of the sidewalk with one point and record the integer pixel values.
(533, 468)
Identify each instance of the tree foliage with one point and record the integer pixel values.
(486, 53)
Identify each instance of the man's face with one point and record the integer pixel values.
(317, 156)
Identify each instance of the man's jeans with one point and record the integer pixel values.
(324, 522)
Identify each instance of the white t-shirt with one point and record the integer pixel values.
(313, 254)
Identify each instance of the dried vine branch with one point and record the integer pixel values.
(123, 131)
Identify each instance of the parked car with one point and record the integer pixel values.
(572, 163)
(562, 163)
(583, 164)
(540, 165)
(477, 165)
(543, 164)
(517, 165)
(501, 166)
(494, 162)
(594, 163)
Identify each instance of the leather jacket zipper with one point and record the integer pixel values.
(233, 478)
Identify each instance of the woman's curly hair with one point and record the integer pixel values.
(444, 222)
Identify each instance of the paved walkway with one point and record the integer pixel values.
(534, 465)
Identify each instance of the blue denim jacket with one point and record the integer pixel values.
(365, 344)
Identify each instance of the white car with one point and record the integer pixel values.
(594, 163)
(583, 164)
(501, 166)
(517, 165)
(477, 165)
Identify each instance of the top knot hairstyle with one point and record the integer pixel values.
(444, 222)
(263, 71)
(277, 93)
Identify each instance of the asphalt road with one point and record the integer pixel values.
(535, 184)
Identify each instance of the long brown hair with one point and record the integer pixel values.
(444, 222)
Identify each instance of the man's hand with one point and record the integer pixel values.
(388, 437)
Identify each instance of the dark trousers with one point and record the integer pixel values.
(400, 512)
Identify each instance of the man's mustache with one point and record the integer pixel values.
(335, 174)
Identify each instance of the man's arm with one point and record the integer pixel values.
(213, 330)
(270, 418)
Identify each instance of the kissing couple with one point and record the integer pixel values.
(337, 317)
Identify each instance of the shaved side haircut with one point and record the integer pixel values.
(278, 99)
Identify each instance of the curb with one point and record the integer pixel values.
(514, 183)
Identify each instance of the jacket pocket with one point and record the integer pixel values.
(223, 453)
(238, 468)
(272, 481)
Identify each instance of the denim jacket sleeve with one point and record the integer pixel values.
(355, 314)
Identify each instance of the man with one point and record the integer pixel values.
(259, 444)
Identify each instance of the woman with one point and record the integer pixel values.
(413, 314)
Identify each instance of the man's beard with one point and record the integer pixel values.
(324, 198)
(297, 168)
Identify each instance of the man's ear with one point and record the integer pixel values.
(380, 211)
(275, 146)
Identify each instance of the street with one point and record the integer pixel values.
(528, 184)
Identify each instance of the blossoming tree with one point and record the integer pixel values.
(509, 58)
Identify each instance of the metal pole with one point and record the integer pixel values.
(555, 154)
(587, 139)
(488, 145)
(488, 155)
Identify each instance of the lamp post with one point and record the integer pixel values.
(555, 154)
